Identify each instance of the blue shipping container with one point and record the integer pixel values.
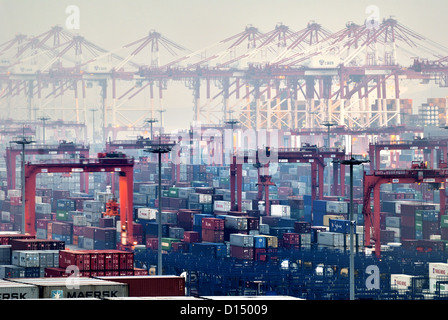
(259, 242)
(340, 226)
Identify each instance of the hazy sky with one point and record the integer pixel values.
(196, 24)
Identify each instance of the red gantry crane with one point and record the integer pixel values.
(106, 162)
(419, 173)
(417, 143)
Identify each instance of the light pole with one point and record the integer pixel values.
(43, 118)
(23, 141)
(352, 162)
(151, 121)
(93, 124)
(328, 125)
(159, 149)
(232, 123)
(161, 111)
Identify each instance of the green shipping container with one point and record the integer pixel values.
(165, 193)
(444, 221)
(61, 215)
(168, 242)
(173, 192)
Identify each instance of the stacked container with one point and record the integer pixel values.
(212, 229)
(242, 246)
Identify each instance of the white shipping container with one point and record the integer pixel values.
(332, 239)
(6, 216)
(79, 220)
(11, 290)
(57, 288)
(220, 205)
(147, 213)
(443, 287)
(279, 210)
(337, 206)
(205, 198)
(14, 193)
(400, 281)
(438, 269)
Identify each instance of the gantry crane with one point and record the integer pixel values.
(306, 154)
(419, 173)
(440, 145)
(106, 162)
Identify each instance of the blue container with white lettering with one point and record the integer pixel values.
(259, 242)
(340, 226)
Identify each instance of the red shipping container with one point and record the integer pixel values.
(55, 272)
(291, 238)
(78, 230)
(242, 252)
(212, 224)
(5, 239)
(212, 235)
(151, 286)
(191, 236)
(42, 223)
(179, 246)
(260, 254)
(111, 260)
(140, 272)
(152, 243)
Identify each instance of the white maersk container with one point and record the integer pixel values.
(10, 290)
(61, 288)
(400, 281)
(278, 210)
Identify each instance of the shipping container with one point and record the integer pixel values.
(241, 240)
(151, 286)
(11, 290)
(59, 288)
(401, 281)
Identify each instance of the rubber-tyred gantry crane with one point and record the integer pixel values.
(372, 183)
(418, 143)
(115, 162)
(306, 154)
(63, 147)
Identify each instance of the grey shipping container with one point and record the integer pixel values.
(241, 240)
(10, 290)
(234, 222)
(25, 258)
(5, 254)
(11, 271)
(76, 287)
(93, 206)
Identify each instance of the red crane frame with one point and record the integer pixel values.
(123, 166)
(373, 182)
(422, 144)
(62, 148)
